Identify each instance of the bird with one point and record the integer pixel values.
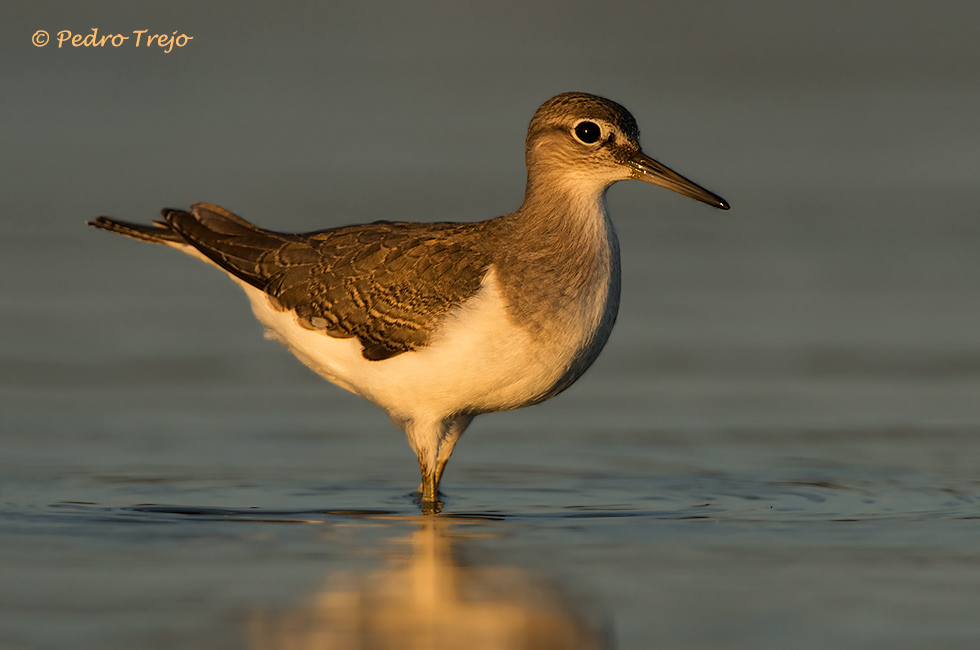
(439, 322)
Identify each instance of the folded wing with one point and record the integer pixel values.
(387, 284)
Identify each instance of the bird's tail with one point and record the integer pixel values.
(157, 233)
(217, 236)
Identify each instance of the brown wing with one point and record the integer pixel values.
(388, 284)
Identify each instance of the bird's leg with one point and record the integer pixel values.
(435, 477)
(429, 488)
(433, 457)
(451, 436)
(423, 436)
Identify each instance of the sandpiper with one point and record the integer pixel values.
(437, 323)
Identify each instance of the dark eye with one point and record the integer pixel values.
(588, 132)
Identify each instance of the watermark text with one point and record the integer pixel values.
(138, 38)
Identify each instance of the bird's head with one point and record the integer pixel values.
(591, 141)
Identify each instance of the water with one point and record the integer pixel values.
(779, 447)
(669, 538)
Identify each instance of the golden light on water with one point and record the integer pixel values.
(429, 598)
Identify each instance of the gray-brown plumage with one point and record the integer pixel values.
(450, 319)
(386, 284)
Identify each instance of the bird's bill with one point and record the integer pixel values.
(649, 170)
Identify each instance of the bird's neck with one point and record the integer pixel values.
(563, 211)
(559, 249)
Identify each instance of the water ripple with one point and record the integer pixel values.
(719, 499)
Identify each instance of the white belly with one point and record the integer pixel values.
(478, 361)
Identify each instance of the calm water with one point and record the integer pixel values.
(779, 447)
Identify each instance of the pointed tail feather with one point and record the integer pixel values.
(210, 232)
(156, 234)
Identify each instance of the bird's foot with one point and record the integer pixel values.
(430, 506)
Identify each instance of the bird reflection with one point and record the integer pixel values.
(430, 597)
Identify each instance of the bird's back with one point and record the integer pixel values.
(387, 284)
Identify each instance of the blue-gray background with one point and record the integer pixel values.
(838, 299)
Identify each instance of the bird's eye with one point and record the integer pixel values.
(587, 132)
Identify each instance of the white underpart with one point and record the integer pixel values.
(478, 360)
